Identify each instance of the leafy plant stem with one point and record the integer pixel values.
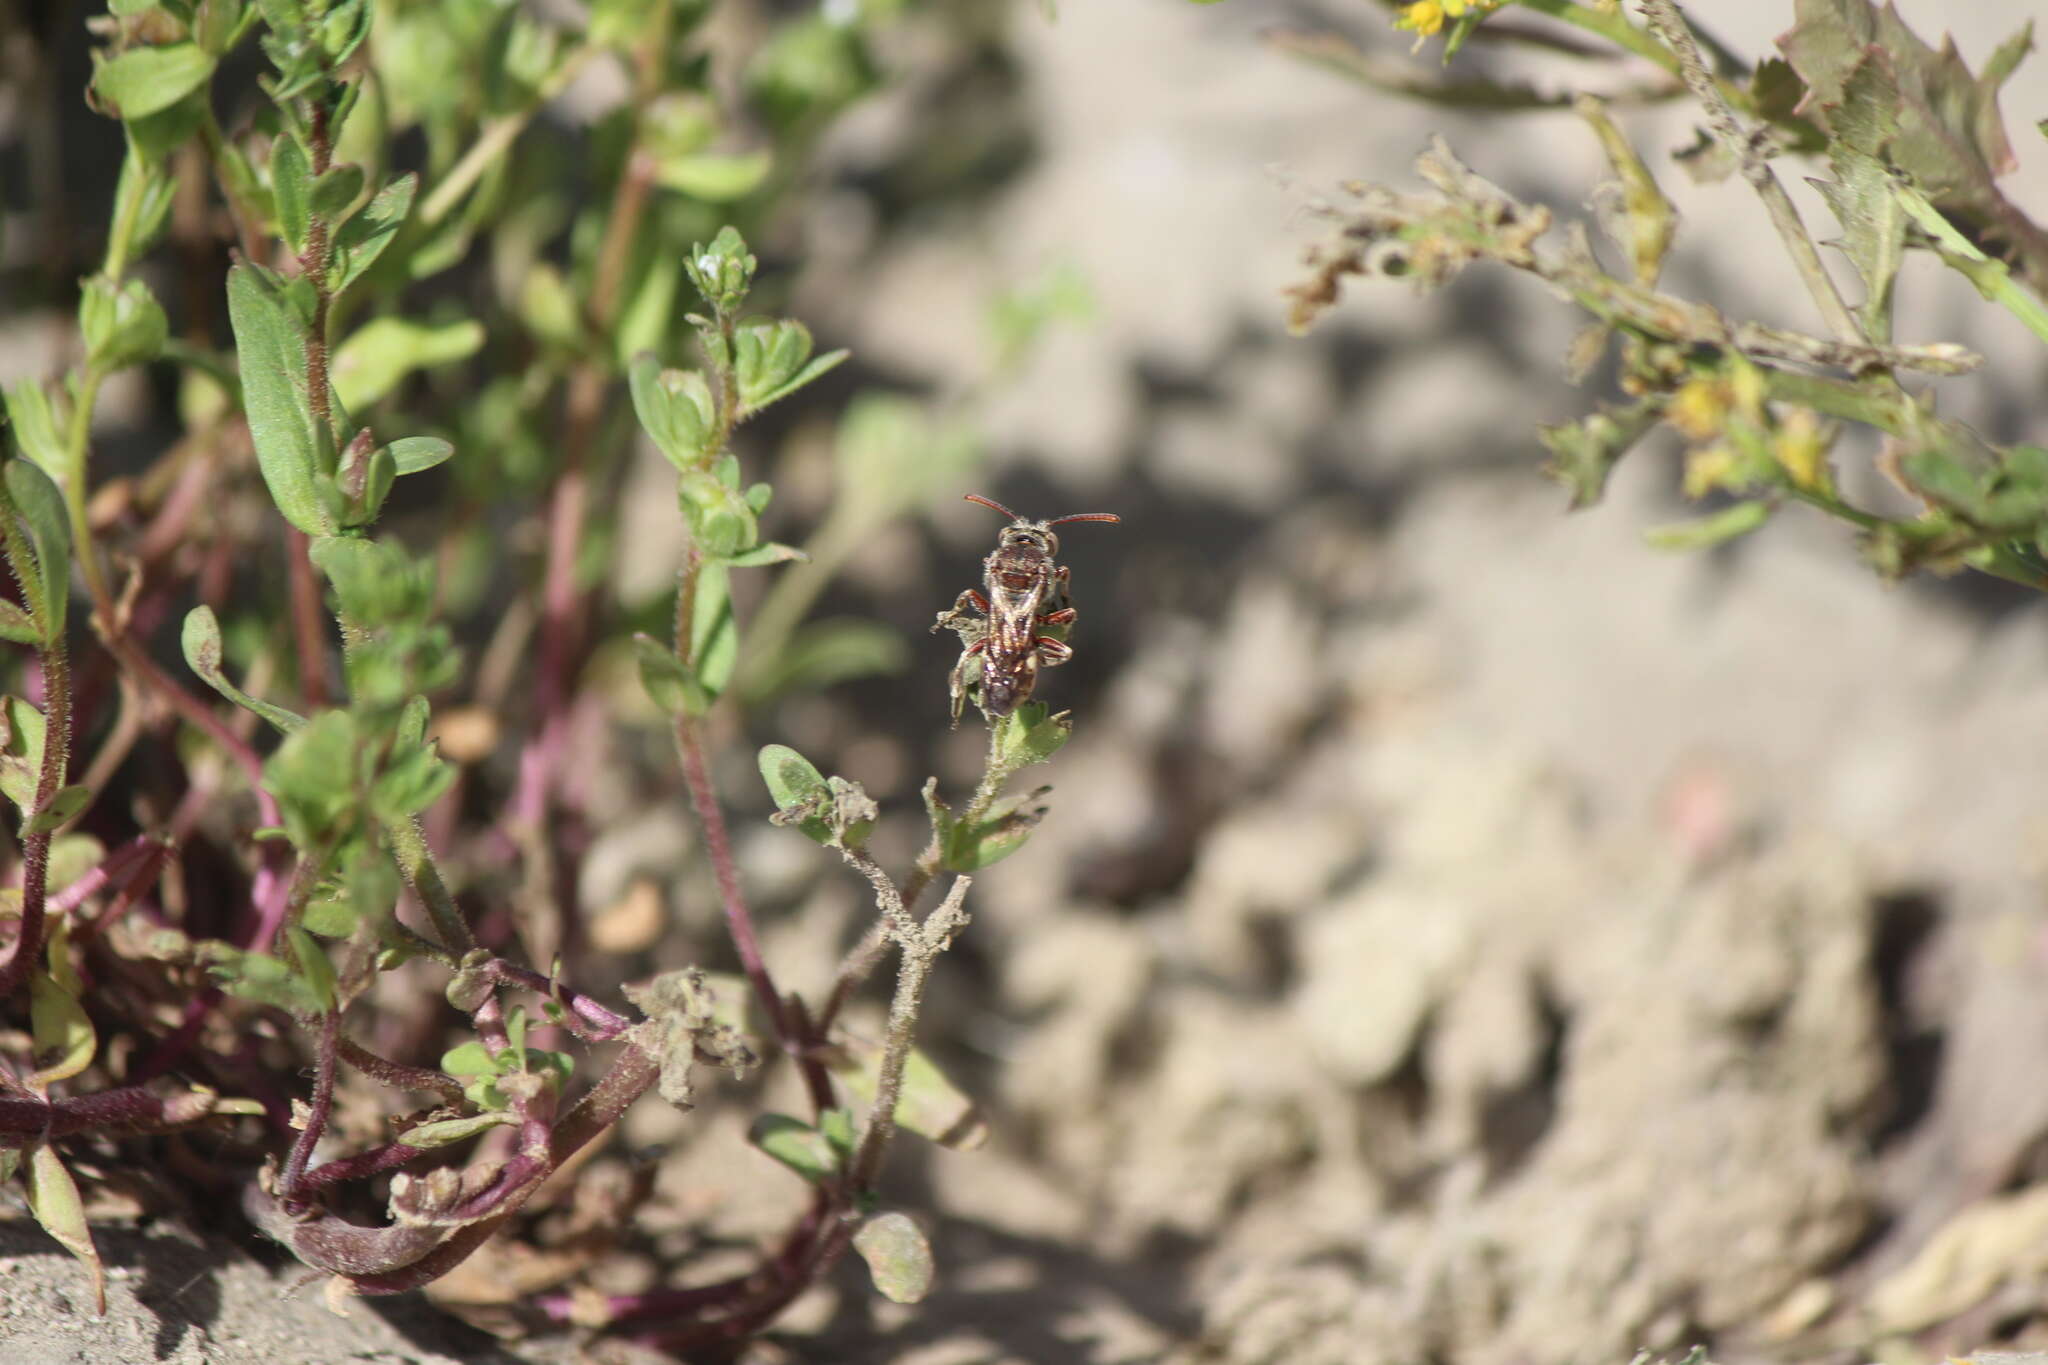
(35, 845)
(416, 864)
(1992, 278)
(76, 440)
(1664, 17)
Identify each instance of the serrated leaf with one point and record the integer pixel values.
(1706, 532)
(1584, 453)
(202, 646)
(144, 80)
(383, 351)
(898, 1257)
(1945, 133)
(1873, 232)
(53, 1198)
(270, 346)
(795, 1144)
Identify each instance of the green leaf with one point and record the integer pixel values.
(721, 521)
(1873, 232)
(143, 80)
(313, 776)
(715, 178)
(335, 192)
(415, 454)
(469, 1059)
(675, 408)
(445, 1132)
(17, 625)
(64, 806)
(714, 636)
(818, 366)
(796, 785)
(1030, 735)
(49, 537)
(1584, 453)
(122, 324)
(898, 1257)
(823, 653)
(37, 413)
(202, 645)
(969, 846)
(270, 344)
(668, 683)
(764, 554)
(927, 1103)
(412, 780)
(291, 190)
(376, 582)
(64, 1040)
(313, 965)
(362, 239)
(796, 1145)
(1706, 532)
(385, 350)
(21, 752)
(53, 1198)
(256, 976)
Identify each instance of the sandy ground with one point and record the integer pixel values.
(1461, 933)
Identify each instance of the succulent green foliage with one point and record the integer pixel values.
(898, 1256)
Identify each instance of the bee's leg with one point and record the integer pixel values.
(1065, 616)
(1053, 652)
(960, 615)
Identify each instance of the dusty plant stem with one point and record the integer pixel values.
(318, 1111)
(739, 921)
(920, 945)
(1663, 17)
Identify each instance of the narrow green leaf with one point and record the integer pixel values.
(336, 192)
(49, 532)
(383, 351)
(63, 807)
(415, 454)
(313, 965)
(899, 1258)
(820, 365)
(201, 641)
(270, 344)
(291, 190)
(1709, 531)
(362, 239)
(714, 636)
(17, 625)
(53, 1198)
(143, 80)
(796, 1145)
(668, 683)
(713, 177)
(444, 1132)
(37, 413)
(63, 1035)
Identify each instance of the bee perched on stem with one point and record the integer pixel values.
(1025, 597)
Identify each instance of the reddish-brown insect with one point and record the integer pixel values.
(1025, 613)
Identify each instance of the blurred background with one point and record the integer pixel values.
(1461, 933)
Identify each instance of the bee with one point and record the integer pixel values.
(1024, 614)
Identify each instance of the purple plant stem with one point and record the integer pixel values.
(317, 1113)
(35, 847)
(600, 1025)
(633, 1072)
(130, 1106)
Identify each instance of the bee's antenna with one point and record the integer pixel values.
(1086, 516)
(993, 505)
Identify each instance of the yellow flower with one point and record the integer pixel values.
(1425, 18)
(1801, 447)
(1709, 468)
(1698, 408)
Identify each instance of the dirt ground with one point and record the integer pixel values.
(1461, 933)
